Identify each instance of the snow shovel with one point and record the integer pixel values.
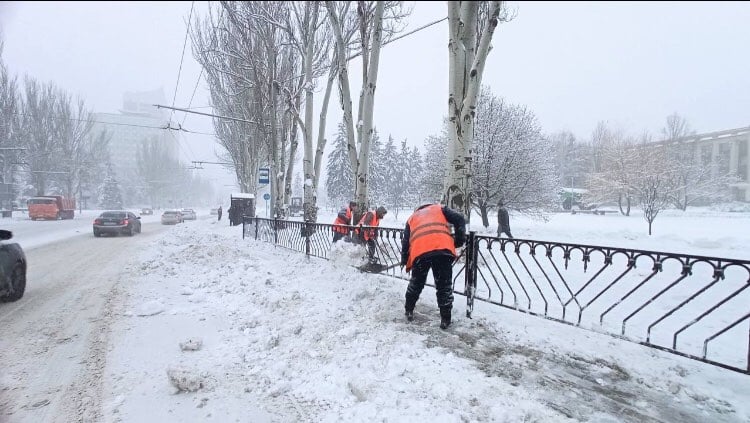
(376, 267)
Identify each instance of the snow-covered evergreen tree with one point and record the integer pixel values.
(431, 182)
(110, 196)
(392, 166)
(339, 179)
(297, 186)
(416, 169)
(377, 178)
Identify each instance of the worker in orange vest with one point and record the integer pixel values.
(343, 220)
(428, 244)
(367, 236)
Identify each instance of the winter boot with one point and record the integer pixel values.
(409, 315)
(445, 317)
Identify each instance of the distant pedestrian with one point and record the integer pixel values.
(503, 220)
(219, 213)
(428, 244)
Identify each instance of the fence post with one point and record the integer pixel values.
(470, 272)
(308, 230)
(256, 228)
(243, 227)
(275, 231)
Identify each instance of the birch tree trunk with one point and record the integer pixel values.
(368, 108)
(371, 37)
(465, 67)
(293, 145)
(345, 95)
(322, 126)
(310, 187)
(276, 189)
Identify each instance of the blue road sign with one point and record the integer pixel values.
(266, 196)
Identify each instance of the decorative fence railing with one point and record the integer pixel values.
(693, 306)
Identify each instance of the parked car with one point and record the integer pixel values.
(12, 269)
(189, 214)
(147, 211)
(171, 217)
(117, 222)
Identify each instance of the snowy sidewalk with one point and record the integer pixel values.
(284, 338)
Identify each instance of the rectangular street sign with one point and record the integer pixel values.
(263, 173)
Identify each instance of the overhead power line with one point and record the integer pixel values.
(182, 58)
(165, 127)
(159, 106)
(190, 103)
(99, 121)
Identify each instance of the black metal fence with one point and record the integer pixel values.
(694, 306)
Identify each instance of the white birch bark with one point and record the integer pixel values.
(466, 67)
(322, 126)
(368, 105)
(345, 96)
(310, 188)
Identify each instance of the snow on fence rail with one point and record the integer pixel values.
(693, 306)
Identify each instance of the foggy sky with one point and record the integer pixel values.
(573, 64)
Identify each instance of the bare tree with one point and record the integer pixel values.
(80, 150)
(250, 75)
(651, 181)
(373, 23)
(9, 128)
(468, 47)
(39, 129)
(694, 181)
(511, 159)
(304, 26)
(601, 137)
(222, 52)
(617, 159)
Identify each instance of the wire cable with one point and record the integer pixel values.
(182, 58)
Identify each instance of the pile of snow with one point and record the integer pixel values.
(150, 308)
(191, 344)
(186, 380)
(291, 338)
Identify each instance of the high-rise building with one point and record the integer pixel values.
(138, 121)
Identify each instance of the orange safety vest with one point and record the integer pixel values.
(368, 233)
(340, 226)
(428, 231)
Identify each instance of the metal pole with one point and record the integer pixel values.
(470, 273)
(307, 238)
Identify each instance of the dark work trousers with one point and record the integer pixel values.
(370, 249)
(442, 272)
(337, 236)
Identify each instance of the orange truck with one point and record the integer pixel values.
(53, 207)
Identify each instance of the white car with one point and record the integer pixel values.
(171, 217)
(189, 214)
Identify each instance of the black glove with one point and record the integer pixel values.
(459, 240)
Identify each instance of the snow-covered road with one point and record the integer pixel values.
(31, 234)
(53, 341)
